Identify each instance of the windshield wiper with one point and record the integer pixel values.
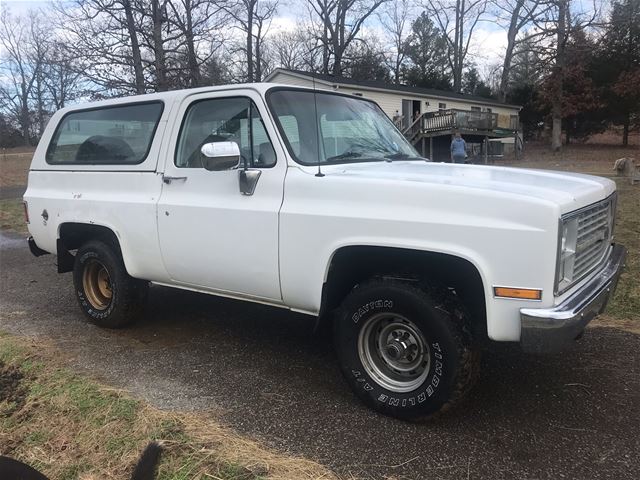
(344, 155)
(399, 156)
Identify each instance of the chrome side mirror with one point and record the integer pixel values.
(219, 156)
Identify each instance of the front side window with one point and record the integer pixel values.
(233, 119)
(345, 129)
(113, 135)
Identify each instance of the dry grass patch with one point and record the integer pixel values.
(14, 167)
(71, 427)
(12, 215)
(624, 310)
(584, 158)
(625, 307)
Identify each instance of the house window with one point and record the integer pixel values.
(476, 109)
(442, 106)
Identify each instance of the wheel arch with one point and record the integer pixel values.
(350, 265)
(72, 235)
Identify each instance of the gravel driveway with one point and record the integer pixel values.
(575, 415)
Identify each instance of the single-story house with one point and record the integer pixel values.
(426, 116)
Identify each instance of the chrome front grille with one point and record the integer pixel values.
(595, 224)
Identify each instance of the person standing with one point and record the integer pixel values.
(458, 149)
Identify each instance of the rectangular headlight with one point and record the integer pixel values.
(566, 252)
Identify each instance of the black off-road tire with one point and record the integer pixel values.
(117, 305)
(452, 356)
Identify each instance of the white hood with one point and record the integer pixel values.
(569, 191)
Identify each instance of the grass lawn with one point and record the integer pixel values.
(70, 427)
(624, 309)
(14, 166)
(12, 216)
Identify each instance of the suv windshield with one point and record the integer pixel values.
(349, 129)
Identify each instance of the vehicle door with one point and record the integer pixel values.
(213, 235)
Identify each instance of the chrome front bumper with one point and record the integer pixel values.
(549, 330)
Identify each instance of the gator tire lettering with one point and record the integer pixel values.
(367, 307)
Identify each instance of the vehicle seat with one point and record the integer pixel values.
(103, 149)
(267, 156)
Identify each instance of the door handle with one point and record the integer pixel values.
(168, 180)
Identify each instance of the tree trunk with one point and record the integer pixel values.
(135, 47)
(158, 47)
(457, 80)
(337, 63)
(251, 6)
(396, 72)
(558, 77)
(195, 79)
(325, 48)
(39, 94)
(258, 66)
(625, 130)
(338, 40)
(508, 56)
(25, 123)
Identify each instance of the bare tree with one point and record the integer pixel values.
(20, 70)
(263, 17)
(39, 44)
(516, 15)
(341, 21)
(105, 35)
(62, 78)
(197, 22)
(287, 49)
(162, 40)
(558, 73)
(253, 18)
(554, 25)
(457, 19)
(395, 19)
(158, 21)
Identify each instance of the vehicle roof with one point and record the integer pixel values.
(178, 95)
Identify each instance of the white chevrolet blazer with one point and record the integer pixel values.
(313, 201)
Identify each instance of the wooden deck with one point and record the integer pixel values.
(475, 127)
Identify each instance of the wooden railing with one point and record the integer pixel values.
(452, 119)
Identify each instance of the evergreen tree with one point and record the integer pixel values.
(581, 105)
(473, 85)
(363, 63)
(427, 51)
(616, 66)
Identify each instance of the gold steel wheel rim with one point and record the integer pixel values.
(97, 285)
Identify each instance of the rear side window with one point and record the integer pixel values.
(114, 135)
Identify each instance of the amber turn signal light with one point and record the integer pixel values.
(520, 293)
